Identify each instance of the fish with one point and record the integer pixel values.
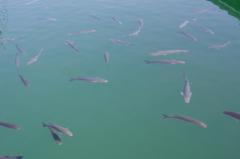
(58, 128)
(184, 24)
(35, 57)
(186, 119)
(51, 19)
(17, 60)
(25, 82)
(106, 57)
(188, 35)
(186, 92)
(220, 46)
(55, 136)
(120, 42)
(19, 49)
(140, 26)
(168, 52)
(31, 2)
(235, 115)
(208, 30)
(71, 45)
(94, 17)
(90, 79)
(165, 61)
(116, 20)
(11, 157)
(83, 32)
(9, 125)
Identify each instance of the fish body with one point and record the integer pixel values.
(35, 57)
(166, 61)
(220, 46)
(71, 45)
(90, 79)
(186, 119)
(83, 32)
(11, 157)
(95, 17)
(138, 30)
(188, 35)
(9, 125)
(55, 136)
(184, 24)
(116, 20)
(168, 52)
(59, 128)
(106, 57)
(235, 115)
(186, 92)
(25, 82)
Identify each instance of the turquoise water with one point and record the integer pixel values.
(120, 119)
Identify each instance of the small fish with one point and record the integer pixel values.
(17, 60)
(56, 137)
(95, 17)
(19, 49)
(31, 2)
(11, 157)
(58, 128)
(184, 24)
(35, 57)
(9, 125)
(220, 46)
(168, 52)
(120, 42)
(51, 19)
(188, 35)
(106, 57)
(90, 79)
(25, 82)
(83, 32)
(71, 45)
(186, 92)
(186, 119)
(166, 61)
(208, 30)
(140, 26)
(116, 20)
(235, 115)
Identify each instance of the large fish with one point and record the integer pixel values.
(188, 35)
(186, 119)
(166, 61)
(140, 26)
(235, 115)
(55, 136)
(88, 31)
(58, 128)
(90, 79)
(106, 57)
(186, 92)
(35, 57)
(11, 157)
(71, 45)
(220, 46)
(9, 125)
(25, 82)
(168, 52)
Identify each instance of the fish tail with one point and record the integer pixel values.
(44, 124)
(164, 116)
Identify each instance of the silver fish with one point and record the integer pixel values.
(184, 24)
(140, 26)
(186, 119)
(188, 35)
(166, 61)
(120, 42)
(116, 20)
(220, 46)
(186, 92)
(9, 125)
(90, 79)
(71, 45)
(106, 57)
(58, 128)
(168, 52)
(235, 115)
(83, 32)
(25, 82)
(11, 157)
(35, 57)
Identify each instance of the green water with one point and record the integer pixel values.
(120, 119)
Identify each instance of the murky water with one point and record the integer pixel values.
(122, 118)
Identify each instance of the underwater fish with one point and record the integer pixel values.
(35, 57)
(55, 136)
(120, 42)
(186, 119)
(31, 2)
(235, 115)
(184, 24)
(116, 20)
(140, 26)
(220, 46)
(17, 60)
(9, 125)
(188, 35)
(58, 128)
(11, 157)
(186, 92)
(71, 45)
(165, 61)
(19, 49)
(168, 52)
(94, 17)
(83, 32)
(208, 30)
(25, 82)
(90, 79)
(106, 57)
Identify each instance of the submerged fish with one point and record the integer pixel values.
(71, 45)
(208, 30)
(35, 57)
(186, 119)
(19, 49)
(94, 17)
(220, 46)
(55, 136)
(11, 157)
(116, 20)
(9, 125)
(25, 82)
(83, 32)
(31, 2)
(235, 115)
(166, 61)
(188, 35)
(17, 60)
(183, 24)
(168, 52)
(90, 79)
(186, 92)
(140, 26)
(118, 41)
(106, 57)
(58, 128)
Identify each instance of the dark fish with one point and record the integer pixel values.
(71, 45)
(58, 128)
(186, 92)
(90, 79)
(106, 57)
(188, 35)
(11, 157)
(166, 61)
(235, 115)
(56, 137)
(24, 81)
(9, 125)
(116, 20)
(186, 119)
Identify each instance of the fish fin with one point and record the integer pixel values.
(164, 116)
(182, 93)
(44, 124)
